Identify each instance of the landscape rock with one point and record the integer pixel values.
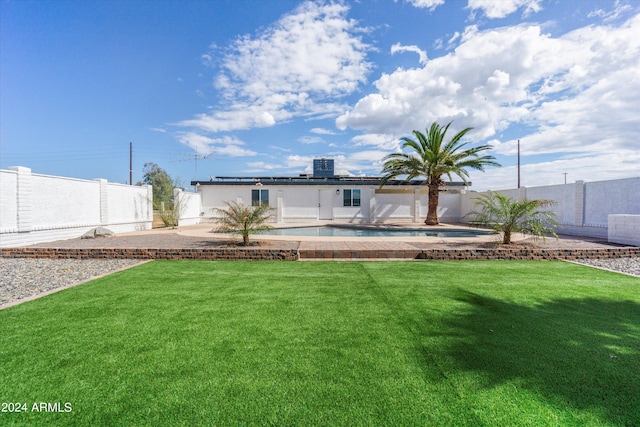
(98, 232)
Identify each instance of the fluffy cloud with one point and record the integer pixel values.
(227, 145)
(322, 131)
(577, 92)
(502, 8)
(309, 139)
(426, 4)
(422, 55)
(300, 66)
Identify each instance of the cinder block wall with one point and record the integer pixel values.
(582, 208)
(624, 229)
(37, 208)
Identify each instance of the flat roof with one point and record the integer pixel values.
(310, 180)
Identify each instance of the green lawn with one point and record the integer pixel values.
(329, 343)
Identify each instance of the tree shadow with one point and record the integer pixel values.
(583, 352)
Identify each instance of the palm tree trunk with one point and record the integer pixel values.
(432, 213)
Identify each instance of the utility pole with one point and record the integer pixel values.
(565, 177)
(518, 163)
(130, 163)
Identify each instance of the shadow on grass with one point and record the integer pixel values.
(582, 352)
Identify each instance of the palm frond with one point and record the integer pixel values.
(244, 220)
(431, 158)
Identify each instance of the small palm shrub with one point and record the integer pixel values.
(508, 216)
(243, 220)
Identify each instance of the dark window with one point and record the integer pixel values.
(259, 197)
(356, 197)
(346, 197)
(351, 197)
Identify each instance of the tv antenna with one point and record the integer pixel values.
(189, 157)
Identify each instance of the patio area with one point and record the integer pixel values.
(199, 242)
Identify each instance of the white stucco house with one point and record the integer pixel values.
(323, 197)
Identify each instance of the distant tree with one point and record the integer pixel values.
(162, 183)
(508, 216)
(432, 158)
(244, 220)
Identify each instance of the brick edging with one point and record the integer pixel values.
(292, 254)
(474, 254)
(528, 254)
(150, 253)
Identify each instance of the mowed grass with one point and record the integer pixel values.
(330, 343)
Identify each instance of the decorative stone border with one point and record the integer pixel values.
(527, 254)
(174, 254)
(294, 254)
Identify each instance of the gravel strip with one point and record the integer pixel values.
(623, 265)
(25, 277)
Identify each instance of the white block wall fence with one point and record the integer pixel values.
(189, 206)
(582, 208)
(38, 208)
(624, 229)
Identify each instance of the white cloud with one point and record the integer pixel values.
(422, 55)
(381, 141)
(275, 147)
(321, 131)
(264, 119)
(299, 66)
(308, 139)
(502, 8)
(426, 4)
(454, 38)
(619, 10)
(577, 92)
(227, 146)
(260, 167)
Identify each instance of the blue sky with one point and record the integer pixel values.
(260, 88)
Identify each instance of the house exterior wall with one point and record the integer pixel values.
(291, 203)
(301, 203)
(40, 208)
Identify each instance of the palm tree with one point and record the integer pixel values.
(244, 220)
(432, 158)
(509, 216)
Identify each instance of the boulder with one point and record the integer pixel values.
(98, 232)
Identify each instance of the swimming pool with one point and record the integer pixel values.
(354, 231)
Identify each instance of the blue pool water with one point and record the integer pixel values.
(344, 231)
